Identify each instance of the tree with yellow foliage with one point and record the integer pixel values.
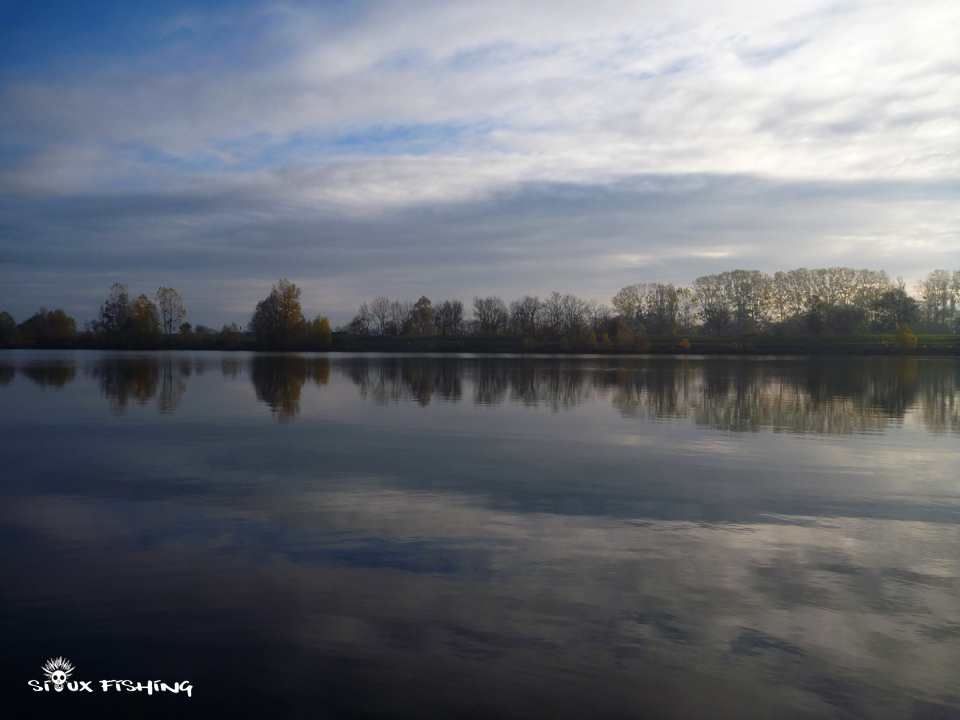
(278, 318)
(145, 320)
(320, 330)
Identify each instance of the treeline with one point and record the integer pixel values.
(121, 322)
(825, 301)
(839, 300)
(145, 323)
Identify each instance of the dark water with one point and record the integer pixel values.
(419, 537)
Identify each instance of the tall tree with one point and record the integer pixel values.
(629, 303)
(145, 324)
(939, 302)
(379, 312)
(399, 316)
(490, 314)
(798, 286)
(662, 306)
(894, 308)
(291, 314)
(278, 317)
(171, 310)
(553, 312)
(116, 313)
(868, 287)
(361, 322)
(713, 305)
(449, 317)
(686, 310)
(319, 330)
(525, 315)
(574, 314)
(421, 317)
(599, 314)
(748, 294)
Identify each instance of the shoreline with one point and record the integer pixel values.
(861, 345)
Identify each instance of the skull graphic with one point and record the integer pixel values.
(58, 671)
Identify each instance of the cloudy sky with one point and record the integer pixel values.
(455, 149)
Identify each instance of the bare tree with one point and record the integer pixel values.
(574, 316)
(525, 315)
(360, 324)
(449, 317)
(599, 315)
(553, 312)
(662, 304)
(490, 314)
(380, 313)
(171, 310)
(713, 305)
(399, 316)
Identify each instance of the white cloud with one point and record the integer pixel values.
(500, 147)
(547, 91)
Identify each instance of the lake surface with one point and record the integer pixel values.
(481, 536)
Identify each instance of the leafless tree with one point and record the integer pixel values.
(399, 316)
(449, 317)
(491, 314)
(380, 314)
(171, 309)
(525, 315)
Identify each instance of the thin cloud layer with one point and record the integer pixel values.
(463, 149)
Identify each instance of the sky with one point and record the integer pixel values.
(454, 149)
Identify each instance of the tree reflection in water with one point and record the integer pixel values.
(411, 378)
(54, 374)
(142, 379)
(823, 396)
(279, 380)
(231, 367)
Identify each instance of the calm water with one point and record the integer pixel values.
(420, 536)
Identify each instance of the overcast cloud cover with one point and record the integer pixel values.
(454, 149)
